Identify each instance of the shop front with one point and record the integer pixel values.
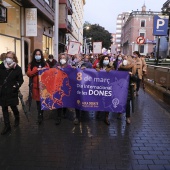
(10, 37)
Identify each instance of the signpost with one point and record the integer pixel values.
(160, 28)
(140, 40)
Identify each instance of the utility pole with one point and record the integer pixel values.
(56, 29)
(157, 53)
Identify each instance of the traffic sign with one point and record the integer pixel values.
(140, 40)
(160, 25)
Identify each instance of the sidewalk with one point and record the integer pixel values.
(91, 145)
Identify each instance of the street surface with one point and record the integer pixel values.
(91, 145)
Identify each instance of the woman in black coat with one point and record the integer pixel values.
(11, 79)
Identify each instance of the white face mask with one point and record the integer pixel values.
(62, 61)
(105, 62)
(9, 60)
(119, 58)
(50, 60)
(125, 62)
(37, 57)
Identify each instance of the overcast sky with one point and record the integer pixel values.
(105, 12)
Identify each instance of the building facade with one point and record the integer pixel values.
(139, 23)
(121, 18)
(30, 24)
(166, 11)
(77, 21)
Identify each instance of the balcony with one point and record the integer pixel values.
(68, 6)
(66, 27)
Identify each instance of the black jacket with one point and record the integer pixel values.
(9, 94)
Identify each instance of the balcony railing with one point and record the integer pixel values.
(144, 13)
(69, 26)
(68, 6)
(70, 9)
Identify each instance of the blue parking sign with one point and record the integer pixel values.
(160, 25)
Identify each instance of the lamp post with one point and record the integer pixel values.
(86, 27)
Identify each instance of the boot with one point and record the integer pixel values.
(16, 122)
(40, 118)
(6, 129)
(107, 118)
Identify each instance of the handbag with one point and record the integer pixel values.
(4, 82)
(135, 77)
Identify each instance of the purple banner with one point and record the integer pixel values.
(84, 89)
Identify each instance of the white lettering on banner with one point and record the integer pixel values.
(160, 23)
(102, 80)
(100, 93)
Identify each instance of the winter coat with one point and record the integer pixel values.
(130, 68)
(35, 87)
(9, 94)
(140, 66)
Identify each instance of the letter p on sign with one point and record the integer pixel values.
(160, 23)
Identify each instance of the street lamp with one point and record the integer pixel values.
(85, 27)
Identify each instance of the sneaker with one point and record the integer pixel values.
(128, 120)
(76, 121)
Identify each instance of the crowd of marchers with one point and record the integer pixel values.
(11, 79)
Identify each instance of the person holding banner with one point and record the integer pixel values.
(118, 62)
(104, 65)
(36, 64)
(128, 65)
(63, 63)
(87, 62)
(78, 63)
(140, 69)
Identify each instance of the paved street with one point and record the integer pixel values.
(92, 145)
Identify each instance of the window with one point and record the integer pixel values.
(142, 48)
(142, 24)
(47, 1)
(142, 34)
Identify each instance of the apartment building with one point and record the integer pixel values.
(29, 24)
(139, 23)
(121, 18)
(77, 21)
